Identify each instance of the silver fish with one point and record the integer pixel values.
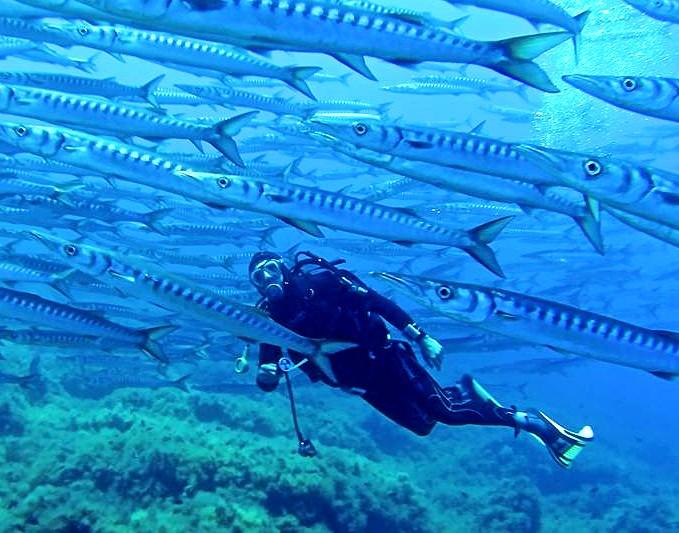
(100, 115)
(557, 326)
(137, 279)
(31, 308)
(306, 208)
(643, 191)
(654, 97)
(347, 33)
(667, 10)
(172, 49)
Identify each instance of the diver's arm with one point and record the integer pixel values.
(268, 373)
(431, 349)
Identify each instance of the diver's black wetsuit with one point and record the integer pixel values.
(385, 372)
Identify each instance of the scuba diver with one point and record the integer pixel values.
(317, 299)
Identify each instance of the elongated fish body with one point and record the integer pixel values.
(667, 10)
(306, 208)
(483, 186)
(173, 292)
(107, 88)
(544, 322)
(654, 97)
(36, 310)
(171, 49)
(59, 339)
(447, 148)
(102, 115)
(654, 229)
(346, 32)
(535, 11)
(127, 162)
(234, 97)
(639, 190)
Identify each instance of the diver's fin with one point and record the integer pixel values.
(566, 445)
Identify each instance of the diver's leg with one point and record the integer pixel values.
(469, 403)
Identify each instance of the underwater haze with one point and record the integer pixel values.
(130, 169)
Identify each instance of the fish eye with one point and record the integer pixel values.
(20, 131)
(444, 292)
(83, 30)
(223, 182)
(70, 249)
(592, 167)
(360, 128)
(629, 84)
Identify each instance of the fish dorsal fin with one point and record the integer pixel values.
(506, 316)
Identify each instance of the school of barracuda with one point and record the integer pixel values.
(122, 249)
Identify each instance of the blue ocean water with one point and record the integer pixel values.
(105, 439)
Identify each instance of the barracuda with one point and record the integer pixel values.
(536, 12)
(104, 116)
(448, 148)
(483, 186)
(136, 279)
(646, 192)
(667, 10)
(161, 47)
(346, 32)
(102, 156)
(107, 88)
(543, 322)
(234, 97)
(37, 310)
(306, 208)
(654, 97)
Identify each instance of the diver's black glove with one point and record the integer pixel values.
(431, 349)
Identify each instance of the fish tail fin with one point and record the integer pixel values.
(153, 219)
(520, 51)
(181, 383)
(151, 347)
(146, 91)
(89, 65)
(297, 79)
(221, 136)
(580, 20)
(483, 235)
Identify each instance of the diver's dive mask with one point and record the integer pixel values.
(267, 277)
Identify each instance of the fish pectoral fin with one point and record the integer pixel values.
(409, 211)
(278, 198)
(24, 100)
(118, 275)
(665, 375)
(420, 145)
(558, 350)
(73, 148)
(305, 226)
(669, 197)
(506, 316)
